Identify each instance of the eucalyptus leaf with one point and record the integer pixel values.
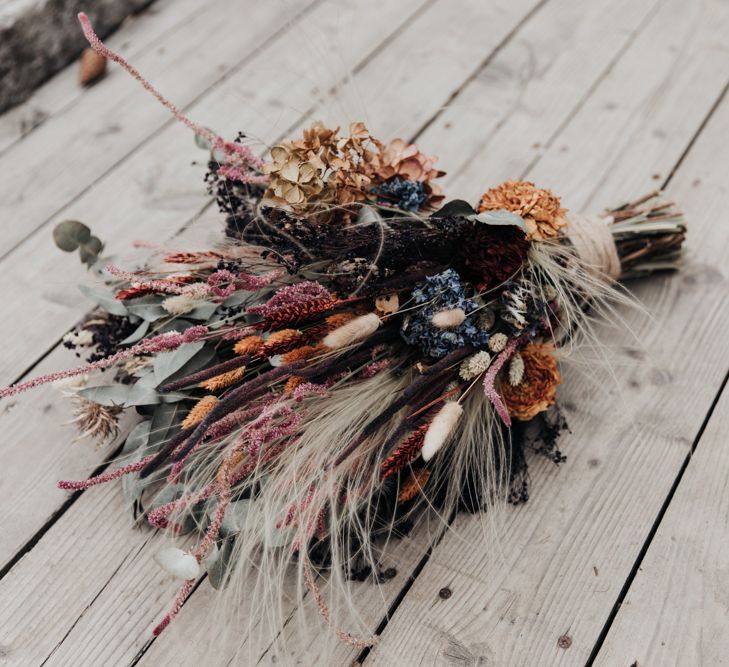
(166, 363)
(218, 563)
(90, 250)
(147, 311)
(500, 217)
(203, 312)
(105, 299)
(236, 517)
(137, 334)
(458, 208)
(70, 234)
(165, 423)
(203, 142)
(201, 360)
(137, 438)
(123, 395)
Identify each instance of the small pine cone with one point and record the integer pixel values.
(199, 411)
(248, 345)
(224, 380)
(492, 254)
(413, 485)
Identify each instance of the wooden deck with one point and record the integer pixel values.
(621, 556)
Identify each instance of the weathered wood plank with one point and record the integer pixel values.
(675, 612)
(92, 624)
(562, 558)
(69, 152)
(137, 34)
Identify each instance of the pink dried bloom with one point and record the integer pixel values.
(376, 367)
(239, 163)
(162, 343)
(308, 389)
(490, 377)
(251, 282)
(291, 295)
(222, 283)
(77, 485)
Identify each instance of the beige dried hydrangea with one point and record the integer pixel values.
(540, 209)
(323, 167)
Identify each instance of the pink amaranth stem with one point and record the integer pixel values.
(162, 343)
(490, 378)
(78, 485)
(98, 46)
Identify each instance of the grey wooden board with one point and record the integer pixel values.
(599, 101)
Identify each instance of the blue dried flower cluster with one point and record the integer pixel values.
(404, 194)
(445, 291)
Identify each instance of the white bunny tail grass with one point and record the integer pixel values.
(441, 428)
(355, 330)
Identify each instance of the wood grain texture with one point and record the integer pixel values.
(137, 34)
(562, 559)
(69, 152)
(676, 609)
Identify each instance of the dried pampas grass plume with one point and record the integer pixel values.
(357, 329)
(440, 429)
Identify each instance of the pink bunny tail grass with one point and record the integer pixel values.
(82, 484)
(490, 378)
(98, 46)
(162, 343)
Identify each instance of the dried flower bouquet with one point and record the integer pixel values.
(353, 353)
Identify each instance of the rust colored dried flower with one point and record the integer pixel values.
(492, 255)
(248, 345)
(96, 421)
(338, 319)
(280, 337)
(224, 380)
(536, 392)
(539, 208)
(303, 352)
(199, 411)
(413, 485)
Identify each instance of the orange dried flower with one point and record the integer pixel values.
(248, 345)
(537, 390)
(540, 209)
(303, 352)
(281, 336)
(413, 485)
(223, 380)
(199, 411)
(293, 382)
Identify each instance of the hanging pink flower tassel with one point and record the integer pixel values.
(490, 378)
(78, 485)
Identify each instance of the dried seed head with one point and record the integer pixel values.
(199, 411)
(497, 342)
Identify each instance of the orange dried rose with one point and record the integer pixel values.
(536, 392)
(540, 209)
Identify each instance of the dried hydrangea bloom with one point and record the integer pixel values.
(536, 391)
(540, 209)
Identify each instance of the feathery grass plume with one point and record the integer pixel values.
(224, 380)
(248, 345)
(353, 331)
(441, 429)
(96, 421)
(199, 411)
